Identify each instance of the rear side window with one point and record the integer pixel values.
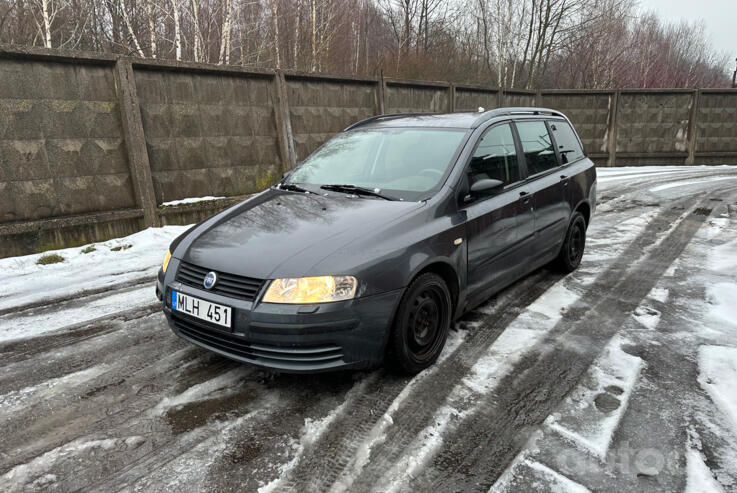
(537, 146)
(568, 145)
(495, 157)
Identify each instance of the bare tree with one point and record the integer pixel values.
(510, 43)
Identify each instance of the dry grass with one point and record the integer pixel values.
(50, 258)
(120, 247)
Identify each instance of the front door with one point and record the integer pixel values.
(493, 223)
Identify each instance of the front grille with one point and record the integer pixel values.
(244, 288)
(237, 346)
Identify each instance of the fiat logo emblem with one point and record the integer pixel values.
(210, 279)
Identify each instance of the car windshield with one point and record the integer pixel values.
(400, 162)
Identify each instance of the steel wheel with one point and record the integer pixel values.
(573, 246)
(421, 325)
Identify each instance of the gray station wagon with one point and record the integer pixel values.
(370, 248)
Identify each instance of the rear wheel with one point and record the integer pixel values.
(421, 324)
(572, 250)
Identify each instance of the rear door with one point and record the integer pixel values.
(570, 151)
(547, 182)
(493, 223)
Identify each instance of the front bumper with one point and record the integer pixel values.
(289, 338)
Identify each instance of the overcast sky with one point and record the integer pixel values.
(720, 17)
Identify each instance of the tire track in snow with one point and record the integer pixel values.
(79, 295)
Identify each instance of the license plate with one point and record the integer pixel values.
(202, 309)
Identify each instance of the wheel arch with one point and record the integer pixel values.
(585, 209)
(445, 269)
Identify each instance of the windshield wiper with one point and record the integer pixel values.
(356, 190)
(292, 188)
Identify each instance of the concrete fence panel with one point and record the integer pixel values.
(471, 98)
(208, 134)
(589, 113)
(415, 96)
(715, 126)
(61, 141)
(519, 98)
(319, 108)
(652, 127)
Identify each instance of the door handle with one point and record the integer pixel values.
(524, 197)
(564, 179)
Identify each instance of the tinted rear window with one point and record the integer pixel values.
(537, 146)
(568, 145)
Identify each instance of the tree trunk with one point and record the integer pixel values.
(47, 23)
(177, 30)
(197, 34)
(151, 26)
(313, 64)
(127, 20)
(225, 34)
(275, 19)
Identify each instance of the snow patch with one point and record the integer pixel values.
(699, 478)
(690, 182)
(17, 398)
(34, 470)
(647, 316)
(190, 200)
(220, 386)
(524, 472)
(718, 377)
(590, 415)
(721, 297)
(35, 324)
(659, 294)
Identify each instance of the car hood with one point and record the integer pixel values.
(283, 234)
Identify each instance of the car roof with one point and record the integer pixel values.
(466, 120)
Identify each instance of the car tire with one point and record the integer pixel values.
(573, 246)
(421, 324)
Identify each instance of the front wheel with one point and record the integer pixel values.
(572, 250)
(421, 324)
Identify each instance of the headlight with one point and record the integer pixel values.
(322, 289)
(167, 258)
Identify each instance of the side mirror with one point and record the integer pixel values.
(486, 187)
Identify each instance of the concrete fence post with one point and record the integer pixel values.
(500, 98)
(284, 123)
(135, 141)
(380, 91)
(692, 128)
(451, 98)
(612, 129)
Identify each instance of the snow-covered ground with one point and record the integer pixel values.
(619, 376)
(84, 268)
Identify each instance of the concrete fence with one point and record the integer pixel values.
(92, 145)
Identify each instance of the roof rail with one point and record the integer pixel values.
(380, 117)
(516, 110)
